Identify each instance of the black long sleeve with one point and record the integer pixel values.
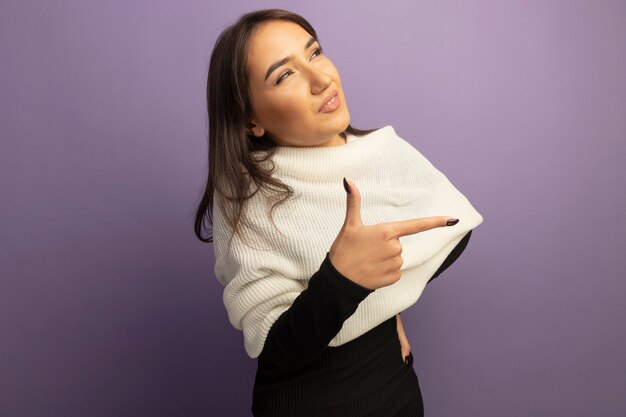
(453, 256)
(304, 330)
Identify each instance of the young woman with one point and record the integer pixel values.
(323, 232)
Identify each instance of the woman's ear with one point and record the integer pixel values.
(254, 129)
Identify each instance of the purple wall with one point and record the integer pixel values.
(108, 303)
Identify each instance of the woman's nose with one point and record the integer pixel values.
(319, 80)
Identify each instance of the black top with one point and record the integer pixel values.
(298, 374)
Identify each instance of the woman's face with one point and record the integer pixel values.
(287, 103)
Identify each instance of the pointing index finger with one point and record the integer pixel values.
(412, 226)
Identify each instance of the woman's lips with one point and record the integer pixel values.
(334, 103)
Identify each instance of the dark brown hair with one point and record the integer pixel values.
(235, 160)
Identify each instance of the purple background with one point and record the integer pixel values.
(108, 303)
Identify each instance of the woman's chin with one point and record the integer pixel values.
(342, 121)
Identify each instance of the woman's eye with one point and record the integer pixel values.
(282, 76)
(316, 52)
(319, 51)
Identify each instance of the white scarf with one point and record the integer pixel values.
(396, 183)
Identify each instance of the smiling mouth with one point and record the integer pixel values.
(332, 98)
(331, 104)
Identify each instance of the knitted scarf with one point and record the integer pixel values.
(396, 183)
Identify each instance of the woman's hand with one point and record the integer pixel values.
(369, 255)
(407, 356)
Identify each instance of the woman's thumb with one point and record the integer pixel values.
(353, 204)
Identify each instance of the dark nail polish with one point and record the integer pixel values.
(406, 359)
(346, 186)
(452, 222)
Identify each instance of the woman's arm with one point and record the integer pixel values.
(306, 328)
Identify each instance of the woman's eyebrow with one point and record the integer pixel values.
(285, 60)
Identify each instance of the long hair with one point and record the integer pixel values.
(235, 159)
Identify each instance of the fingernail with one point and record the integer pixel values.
(406, 359)
(346, 186)
(452, 222)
